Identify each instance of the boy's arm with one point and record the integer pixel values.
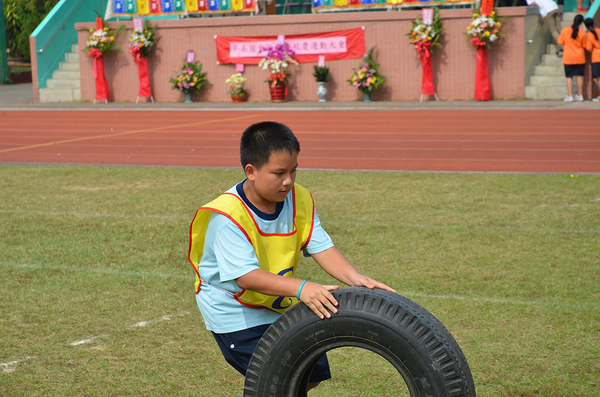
(336, 264)
(316, 296)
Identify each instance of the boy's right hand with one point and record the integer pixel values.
(318, 298)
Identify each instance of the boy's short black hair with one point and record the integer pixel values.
(261, 139)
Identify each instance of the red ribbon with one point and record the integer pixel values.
(144, 91)
(135, 51)
(422, 48)
(424, 53)
(482, 76)
(102, 90)
(96, 53)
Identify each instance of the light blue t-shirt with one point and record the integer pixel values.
(228, 255)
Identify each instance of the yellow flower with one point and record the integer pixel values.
(487, 33)
(106, 29)
(498, 24)
(475, 15)
(374, 79)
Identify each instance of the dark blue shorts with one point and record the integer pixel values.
(574, 70)
(595, 69)
(237, 348)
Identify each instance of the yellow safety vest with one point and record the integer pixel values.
(277, 253)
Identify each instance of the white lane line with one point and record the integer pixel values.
(593, 304)
(86, 341)
(94, 215)
(115, 272)
(10, 366)
(486, 299)
(139, 324)
(188, 218)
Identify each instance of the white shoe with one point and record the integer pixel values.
(568, 98)
(597, 99)
(578, 98)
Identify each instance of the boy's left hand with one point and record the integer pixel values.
(363, 281)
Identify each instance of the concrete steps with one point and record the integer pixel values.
(65, 84)
(548, 80)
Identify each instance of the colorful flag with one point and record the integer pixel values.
(191, 5)
(225, 5)
(167, 5)
(143, 7)
(178, 5)
(237, 5)
(202, 5)
(119, 6)
(130, 6)
(155, 7)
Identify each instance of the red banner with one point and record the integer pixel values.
(342, 44)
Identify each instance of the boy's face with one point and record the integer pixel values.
(273, 181)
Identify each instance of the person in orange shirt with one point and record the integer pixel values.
(574, 39)
(593, 46)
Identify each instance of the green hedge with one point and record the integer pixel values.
(22, 17)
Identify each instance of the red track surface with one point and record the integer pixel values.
(453, 140)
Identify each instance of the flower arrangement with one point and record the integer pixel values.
(426, 36)
(101, 41)
(190, 78)
(367, 78)
(140, 43)
(236, 85)
(321, 73)
(276, 61)
(484, 30)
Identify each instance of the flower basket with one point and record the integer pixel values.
(276, 61)
(425, 36)
(236, 87)
(367, 78)
(189, 79)
(140, 43)
(279, 92)
(239, 97)
(101, 41)
(482, 32)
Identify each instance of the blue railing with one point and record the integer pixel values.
(593, 8)
(56, 34)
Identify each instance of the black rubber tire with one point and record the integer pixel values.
(392, 326)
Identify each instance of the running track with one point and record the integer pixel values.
(558, 141)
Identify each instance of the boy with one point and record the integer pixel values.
(245, 247)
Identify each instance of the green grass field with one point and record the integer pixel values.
(96, 293)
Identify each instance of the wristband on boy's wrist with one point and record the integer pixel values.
(300, 289)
